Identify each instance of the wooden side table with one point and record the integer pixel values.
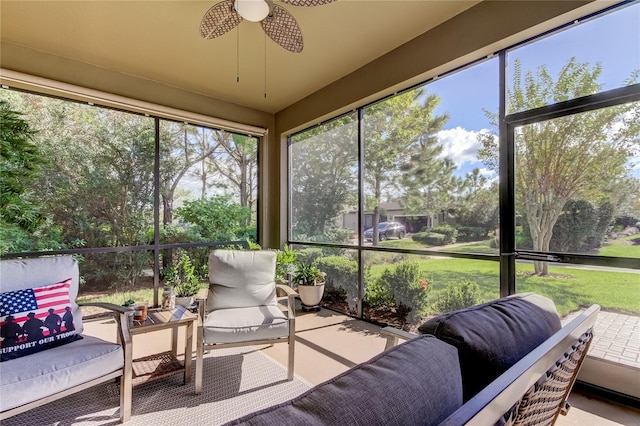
(158, 366)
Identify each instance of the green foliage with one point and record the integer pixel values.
(309, 255)
(471, 233)
(285, 263)
(575, 224)
(430, 238)
(182, 276)
(21, 162)
(307, 274)
(458, 295)
(341, 273)
(215, 218)
(450, 233)
(405, 287)
(377, 295)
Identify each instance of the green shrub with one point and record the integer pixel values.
(471, 233)
(458, 295)
(450, 233)
(407, 289)
(341, 273)
(420, 237)
(429, 238)
(377, 295)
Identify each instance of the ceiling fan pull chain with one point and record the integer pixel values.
(265, 65)
(238, 54)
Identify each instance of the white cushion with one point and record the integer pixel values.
(245, 324)
(241, 278)
(20, 274)
(46, 373)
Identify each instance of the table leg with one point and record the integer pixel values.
(188, 349)
(174, 340)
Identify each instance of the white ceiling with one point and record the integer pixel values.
(160, 41)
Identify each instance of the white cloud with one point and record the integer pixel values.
(460, 145)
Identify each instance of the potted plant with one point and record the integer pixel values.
(184, 280)
(310, 284)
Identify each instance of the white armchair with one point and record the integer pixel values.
(36, 379)
(242, 307)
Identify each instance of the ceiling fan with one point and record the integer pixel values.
(276, 21)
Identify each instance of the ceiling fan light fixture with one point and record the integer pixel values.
(252, 10)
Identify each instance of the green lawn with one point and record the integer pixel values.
(405, 243)
(570, 288)
(623, 247)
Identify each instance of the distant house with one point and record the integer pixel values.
(393, 211)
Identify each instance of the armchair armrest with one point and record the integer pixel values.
(393, 334)
(122, 319)
(110, 306)
(291, 295)
(202, 294)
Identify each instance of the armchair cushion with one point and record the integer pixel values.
(245, 324)
(493, 336)
(241, 278)
(46, 373)
(35, 319)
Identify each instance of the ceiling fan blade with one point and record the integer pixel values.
(307, 3)
(282, 28)
(219, 20)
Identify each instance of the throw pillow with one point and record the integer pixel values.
(493, 336)
(35, 319)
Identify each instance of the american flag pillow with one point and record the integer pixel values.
(35, 319)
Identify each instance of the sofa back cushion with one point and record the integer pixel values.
(241, 278)
(493, 336)
(38, 307)
(417, 382)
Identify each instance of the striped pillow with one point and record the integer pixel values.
(35, 319)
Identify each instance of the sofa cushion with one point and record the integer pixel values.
(417, 382)
(241, 278)
(245, 324)
(493, 336)
(36, 319)
(35, 376)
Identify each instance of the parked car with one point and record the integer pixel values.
(386, 230)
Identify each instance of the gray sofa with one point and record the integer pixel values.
(502, 362)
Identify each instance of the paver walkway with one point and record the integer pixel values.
(616, 337)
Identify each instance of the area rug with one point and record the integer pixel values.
(236, 382)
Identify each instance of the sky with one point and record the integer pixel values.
(612, 39)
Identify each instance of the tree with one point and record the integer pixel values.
(565, 158)
(20, 164)
(237, 163)
(401, 146)
(216, 218)
(182, 147)
(477, 206)
(323, 176)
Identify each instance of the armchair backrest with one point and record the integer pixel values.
(22, 274)
(241, 278)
